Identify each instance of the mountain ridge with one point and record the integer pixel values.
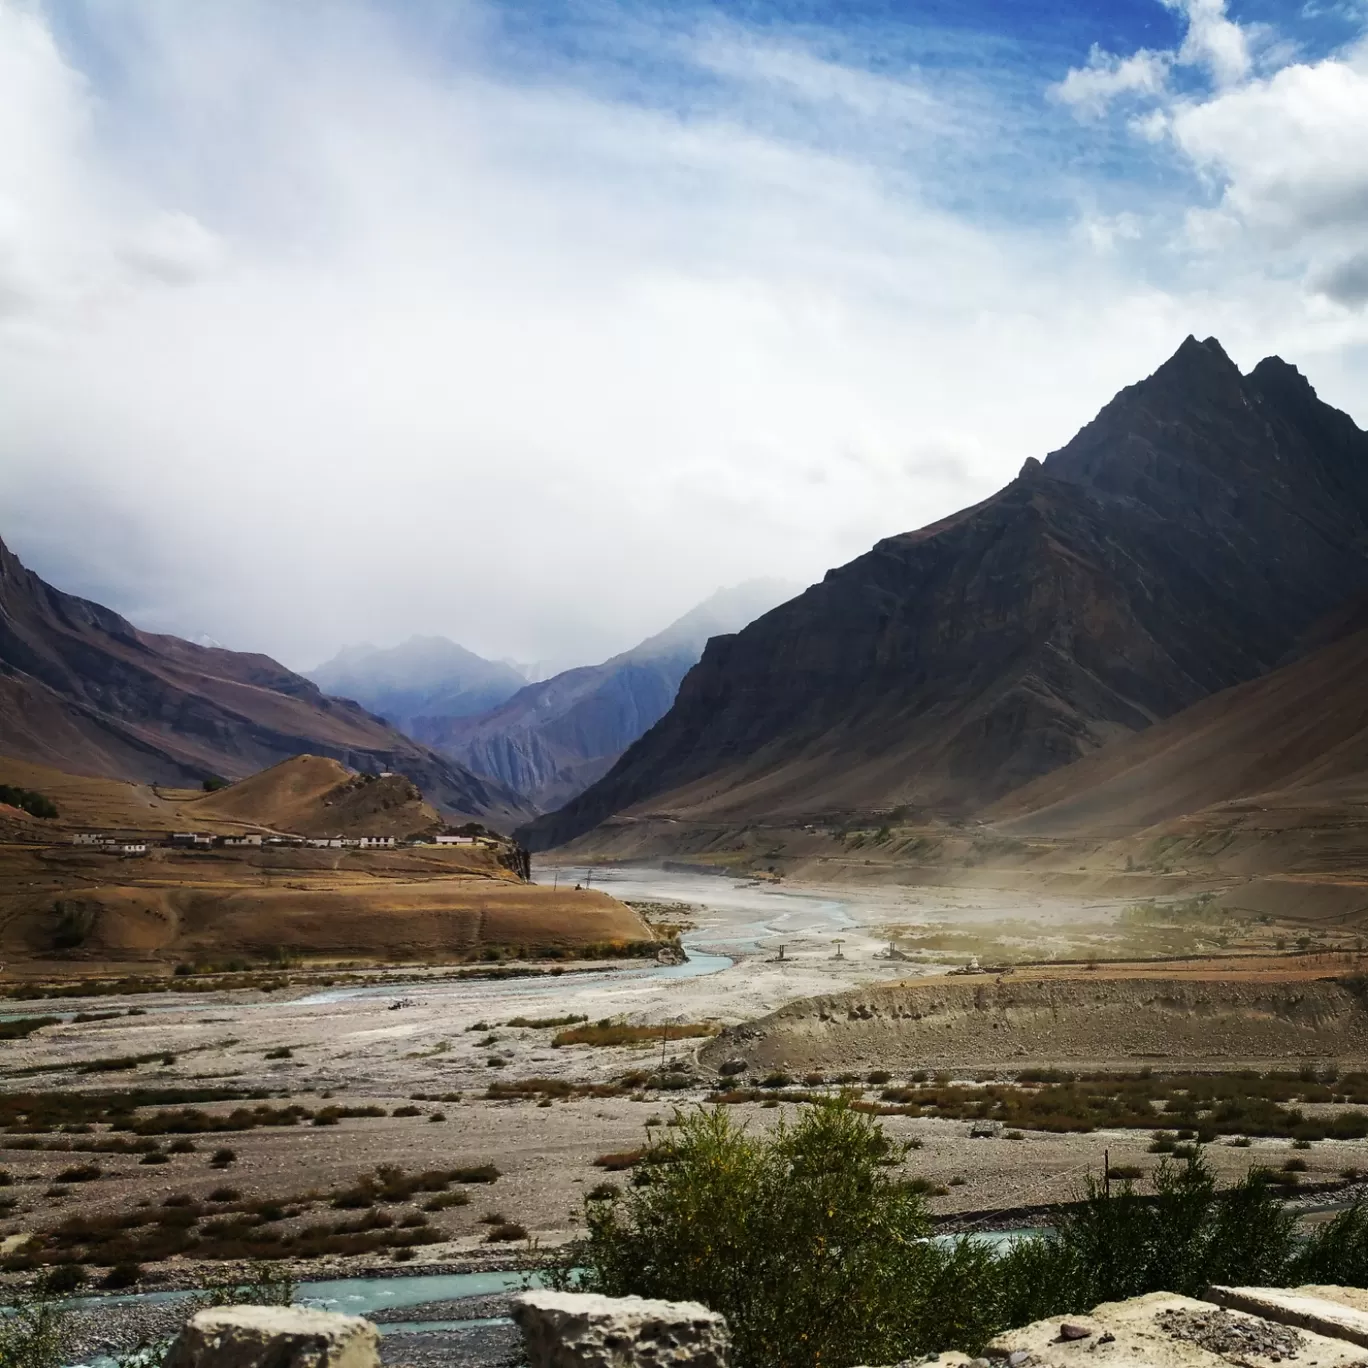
(84, 690)
(1119, 581)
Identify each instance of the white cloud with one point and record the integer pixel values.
(1279, 144)
(1213, 40)
(1092, 89)
(311, 333)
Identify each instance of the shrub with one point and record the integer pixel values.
(802, 1238)
(1336, 1252)
(446, 1199)
(65, 1278)
(811, 1247)
(280, 1052)
(224, 1194)
(506, 1231)
(33, 1333)
(221, 1158)
(122, 1275)
(81, 1173)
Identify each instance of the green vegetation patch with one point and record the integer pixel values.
(810, 1239)
(1207, 1105)
(28, 800)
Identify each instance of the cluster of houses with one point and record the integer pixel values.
(199, 840)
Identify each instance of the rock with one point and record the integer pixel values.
(1324, 1310)
(1070, 1331)
(579, 1330)
(280, 1336)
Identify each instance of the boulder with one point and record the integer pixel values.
(579, 1330)
(281, 1336)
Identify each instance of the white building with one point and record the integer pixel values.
(455, 840)
(370, 842)
(134, 848)
(89, 838)
(242, 840)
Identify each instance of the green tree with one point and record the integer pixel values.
(805, 1239)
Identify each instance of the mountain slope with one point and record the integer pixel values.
(552, 739)
(82, 689)
(312, 795)
(1129, 576)
(422, 677)
(1299, 734)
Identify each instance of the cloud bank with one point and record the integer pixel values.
(329, 323)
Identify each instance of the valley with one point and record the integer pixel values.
(1040, 834)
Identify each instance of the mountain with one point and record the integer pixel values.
(1178, 545)
(553, 738)
(422, 677)
(1295, 737)
(83, 690)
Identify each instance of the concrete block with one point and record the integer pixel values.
(579, 1330)
(278, 1336)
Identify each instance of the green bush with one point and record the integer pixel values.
(35, 804)
(810, 1242)
(803, 1238)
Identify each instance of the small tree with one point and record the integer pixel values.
(805, 1239)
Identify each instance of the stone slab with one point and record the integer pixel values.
(1305, 1307)
(1134, 1334)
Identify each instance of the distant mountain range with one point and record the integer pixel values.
(1182, 543)
(552, 739)
(83, 690)
(423, 677)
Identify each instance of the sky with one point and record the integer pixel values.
(531, 324)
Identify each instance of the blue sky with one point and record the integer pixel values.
(532, 323)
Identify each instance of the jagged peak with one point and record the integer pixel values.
(1198, 358)
(1281, 373)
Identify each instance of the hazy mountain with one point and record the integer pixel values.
(423, 677)
(554, 737)
(83, 690)
(1180, 544)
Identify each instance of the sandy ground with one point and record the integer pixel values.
(387, 1043)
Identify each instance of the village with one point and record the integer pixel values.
(139, 844)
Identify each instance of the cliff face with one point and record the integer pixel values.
(1178, 545)
(82, 689)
